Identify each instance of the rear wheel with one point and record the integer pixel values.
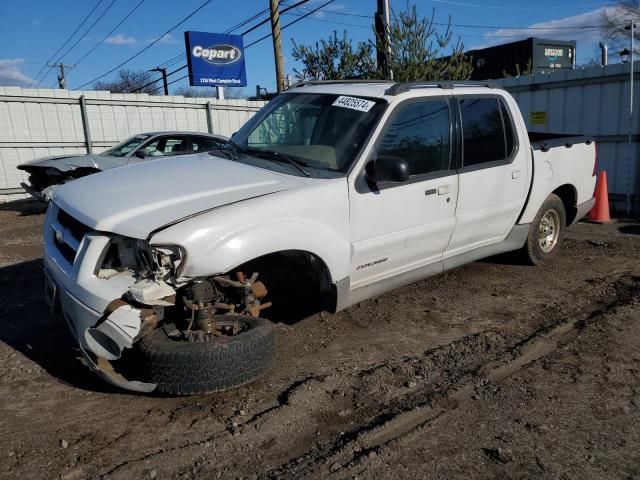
(179, 364)
(546, 232)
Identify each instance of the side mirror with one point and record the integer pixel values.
(140, 154)
(388, 169)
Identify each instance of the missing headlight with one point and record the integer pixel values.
(169, 260)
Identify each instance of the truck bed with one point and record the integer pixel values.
(545, 141)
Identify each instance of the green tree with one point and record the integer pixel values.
(334, 59)
(417, 51)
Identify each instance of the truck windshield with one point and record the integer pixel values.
(320, 132)
(126, 147)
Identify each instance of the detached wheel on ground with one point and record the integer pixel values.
(183, 367)
(546, 232)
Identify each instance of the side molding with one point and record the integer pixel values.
(347, 297)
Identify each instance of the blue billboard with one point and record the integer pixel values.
(215, 59)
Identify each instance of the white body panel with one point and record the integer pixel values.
(137, 200)
(561, 166)
(314, 219)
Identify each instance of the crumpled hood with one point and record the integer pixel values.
(64, 162)
(139, 199)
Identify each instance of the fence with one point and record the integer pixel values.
(41, 122)
(595, 102)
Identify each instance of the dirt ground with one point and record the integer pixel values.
(494, 370)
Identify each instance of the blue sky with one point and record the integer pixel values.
(32, 30)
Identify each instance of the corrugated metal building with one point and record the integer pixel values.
(592, 101)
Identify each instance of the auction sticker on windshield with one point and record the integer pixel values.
(354, 103)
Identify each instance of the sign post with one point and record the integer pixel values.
(215, 60)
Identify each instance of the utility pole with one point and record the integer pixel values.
(383, 32)
(62, 82)
(277, 44)
(163, 72)
(630, 134)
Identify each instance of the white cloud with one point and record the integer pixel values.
(121, 39)
(11, 73)
(165, 40)
(561, 29)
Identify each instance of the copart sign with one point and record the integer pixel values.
(215, 59)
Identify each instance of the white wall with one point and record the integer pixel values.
(41, 122)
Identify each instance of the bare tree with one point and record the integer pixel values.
(130, 80)
(616, 18)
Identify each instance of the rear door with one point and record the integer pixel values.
(492, 173)
(396, 227)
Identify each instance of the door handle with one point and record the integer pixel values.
(515, 174)
(444, 189)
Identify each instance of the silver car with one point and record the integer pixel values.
(45, 174)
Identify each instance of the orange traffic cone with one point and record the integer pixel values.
(600, 212)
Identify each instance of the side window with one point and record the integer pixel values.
(204, 144)
(508, 128)
(482, 130)
(166, 146)
(419, 133)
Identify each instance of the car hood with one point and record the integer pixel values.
(140, 199)
(65, 163)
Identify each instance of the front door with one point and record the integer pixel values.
(396, 227)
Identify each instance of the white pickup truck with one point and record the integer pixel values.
(168, 273)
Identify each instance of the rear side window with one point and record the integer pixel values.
(483, 131)
(203, 144)
(508, 128)
(419, 134)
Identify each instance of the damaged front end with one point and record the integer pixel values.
(114, 290)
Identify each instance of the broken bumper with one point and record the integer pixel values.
(101, 329)
(43, 196)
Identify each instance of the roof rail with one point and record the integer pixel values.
(397, 88)
(333, 82)
(447, 85)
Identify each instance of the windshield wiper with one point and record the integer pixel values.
(278, 157)
(231, 153)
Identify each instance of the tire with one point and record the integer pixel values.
(552, 219)
(187, 368)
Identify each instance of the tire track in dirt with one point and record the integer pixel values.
(350, 453)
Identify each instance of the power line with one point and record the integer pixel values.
(268, 19)
(65, 42)
(509, 7)
(109, 34)
(148, 46)
(262, 38)
(325, 20)
(229, 30)
(291, 23)
(488, 27)
(87, 30)
(179, 57)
